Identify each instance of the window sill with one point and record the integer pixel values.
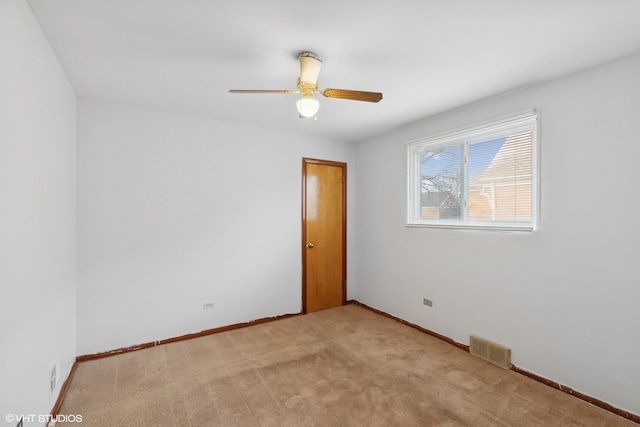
(528, 228)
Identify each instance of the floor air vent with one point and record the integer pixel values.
(491, 352)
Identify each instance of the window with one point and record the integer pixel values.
(480, 177)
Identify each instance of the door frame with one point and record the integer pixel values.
(306, 161)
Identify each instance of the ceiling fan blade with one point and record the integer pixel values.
(354, 95)
(309, 68)
(283, 91)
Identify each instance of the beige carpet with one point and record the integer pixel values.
(345, 366)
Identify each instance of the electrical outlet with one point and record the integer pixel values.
(427, 302)
(52, 380)
(53, 377)
(53, 374)
(207, 305)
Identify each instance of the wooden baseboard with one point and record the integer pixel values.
(413, 325)
(592, 400)
(95, 356)
(63, 391)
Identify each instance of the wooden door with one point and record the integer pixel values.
(324, 236)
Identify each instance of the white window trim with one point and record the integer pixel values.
(526, 120)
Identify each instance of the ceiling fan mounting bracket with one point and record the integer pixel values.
(308, 55)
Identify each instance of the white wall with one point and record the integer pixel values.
(175, 210)
(37, 215)
(565, 297)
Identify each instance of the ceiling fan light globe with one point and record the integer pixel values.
(308, 107)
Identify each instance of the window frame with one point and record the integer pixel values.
(508, 125)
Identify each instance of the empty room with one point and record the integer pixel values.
(293, 213)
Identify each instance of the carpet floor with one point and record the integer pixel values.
(345, 366)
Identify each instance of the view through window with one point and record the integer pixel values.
(484, 177)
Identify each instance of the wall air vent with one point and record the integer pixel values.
(494, 353)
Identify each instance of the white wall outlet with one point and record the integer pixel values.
(207, 305)
(52, 380)
(427, 302)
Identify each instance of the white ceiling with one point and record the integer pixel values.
(425, 56)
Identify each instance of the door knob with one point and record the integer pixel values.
(310, 245)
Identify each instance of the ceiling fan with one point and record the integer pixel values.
(308, 85)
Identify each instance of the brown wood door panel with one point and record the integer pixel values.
(324, 234)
